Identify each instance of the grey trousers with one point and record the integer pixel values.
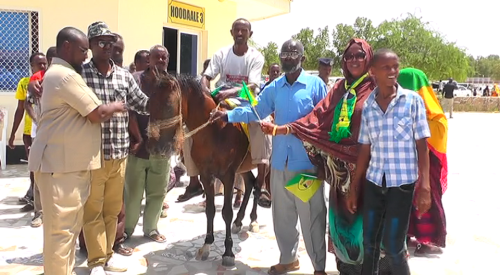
(287, 208)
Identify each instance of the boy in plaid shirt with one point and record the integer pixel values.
(393, 155)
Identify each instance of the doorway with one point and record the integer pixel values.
(183, 49)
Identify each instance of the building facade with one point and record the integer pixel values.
(192, 30)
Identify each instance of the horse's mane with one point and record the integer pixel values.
(167, 81)
(188, 82)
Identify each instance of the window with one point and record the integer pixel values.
(18, 40)
(183, 49)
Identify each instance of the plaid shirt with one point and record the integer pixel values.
(392, 136)
(117, 85)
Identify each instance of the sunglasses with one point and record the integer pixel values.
(292, 55)
(357, 56)
(103, 44)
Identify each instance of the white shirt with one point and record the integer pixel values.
(233, 69)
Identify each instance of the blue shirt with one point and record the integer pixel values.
(289, 103)
(392, 136)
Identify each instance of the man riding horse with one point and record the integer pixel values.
(235, 64)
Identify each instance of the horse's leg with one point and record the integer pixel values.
(264, 197)
(204, 251)
(227, 214)
(254, 225)
(249, 181)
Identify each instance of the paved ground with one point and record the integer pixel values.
(470, 202)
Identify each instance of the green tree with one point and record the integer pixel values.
(252, 43)
(415, 43)
(315, 46)
(270, 53)
(362, 28)
(488, 66)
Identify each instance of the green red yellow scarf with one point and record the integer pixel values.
(341, 126)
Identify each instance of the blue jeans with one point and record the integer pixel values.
(386, 214)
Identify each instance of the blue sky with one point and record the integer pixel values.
(468, 23)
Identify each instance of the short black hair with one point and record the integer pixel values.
(51, 52)
(381, 53)
(32, 57)
(244, 20)
(206, 62)
(69, 34)
(139, 54)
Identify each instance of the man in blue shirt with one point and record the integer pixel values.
(393, 155)
(290, 97)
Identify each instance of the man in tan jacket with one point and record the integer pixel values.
(67, 149)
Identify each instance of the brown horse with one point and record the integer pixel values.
(220, 150)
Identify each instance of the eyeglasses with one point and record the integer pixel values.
(360, 56)
(292, 55)
(103, 44)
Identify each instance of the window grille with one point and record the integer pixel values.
(19, 38)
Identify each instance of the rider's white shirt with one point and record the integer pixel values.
(234, 69)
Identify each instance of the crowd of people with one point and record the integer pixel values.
(377, 137)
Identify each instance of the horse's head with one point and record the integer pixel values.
(165, 120)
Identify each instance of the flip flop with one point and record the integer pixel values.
(156, 236)
(123, 250)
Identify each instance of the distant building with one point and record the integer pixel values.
(480, 80)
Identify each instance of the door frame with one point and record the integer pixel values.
(195, 32)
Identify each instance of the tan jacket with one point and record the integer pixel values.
(66, 140)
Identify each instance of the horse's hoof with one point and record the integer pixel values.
(228, 261)
(203, 253)
(235, 229)
(254, 227)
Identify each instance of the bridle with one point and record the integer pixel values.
(154, 128)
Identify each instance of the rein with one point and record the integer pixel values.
(153, 130)
(193, 132)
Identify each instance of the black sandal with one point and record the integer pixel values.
(189, 195)
(264, 199)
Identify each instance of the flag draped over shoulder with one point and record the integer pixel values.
(416, 80)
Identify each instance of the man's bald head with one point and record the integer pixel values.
(68, 34)
(293, 45)
(156, 48)
(72, 46)
(292, 56)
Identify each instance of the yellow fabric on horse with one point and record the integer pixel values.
(244, 126)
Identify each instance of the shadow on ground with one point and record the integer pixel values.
(180, 257)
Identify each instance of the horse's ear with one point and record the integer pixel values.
(155, 73)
